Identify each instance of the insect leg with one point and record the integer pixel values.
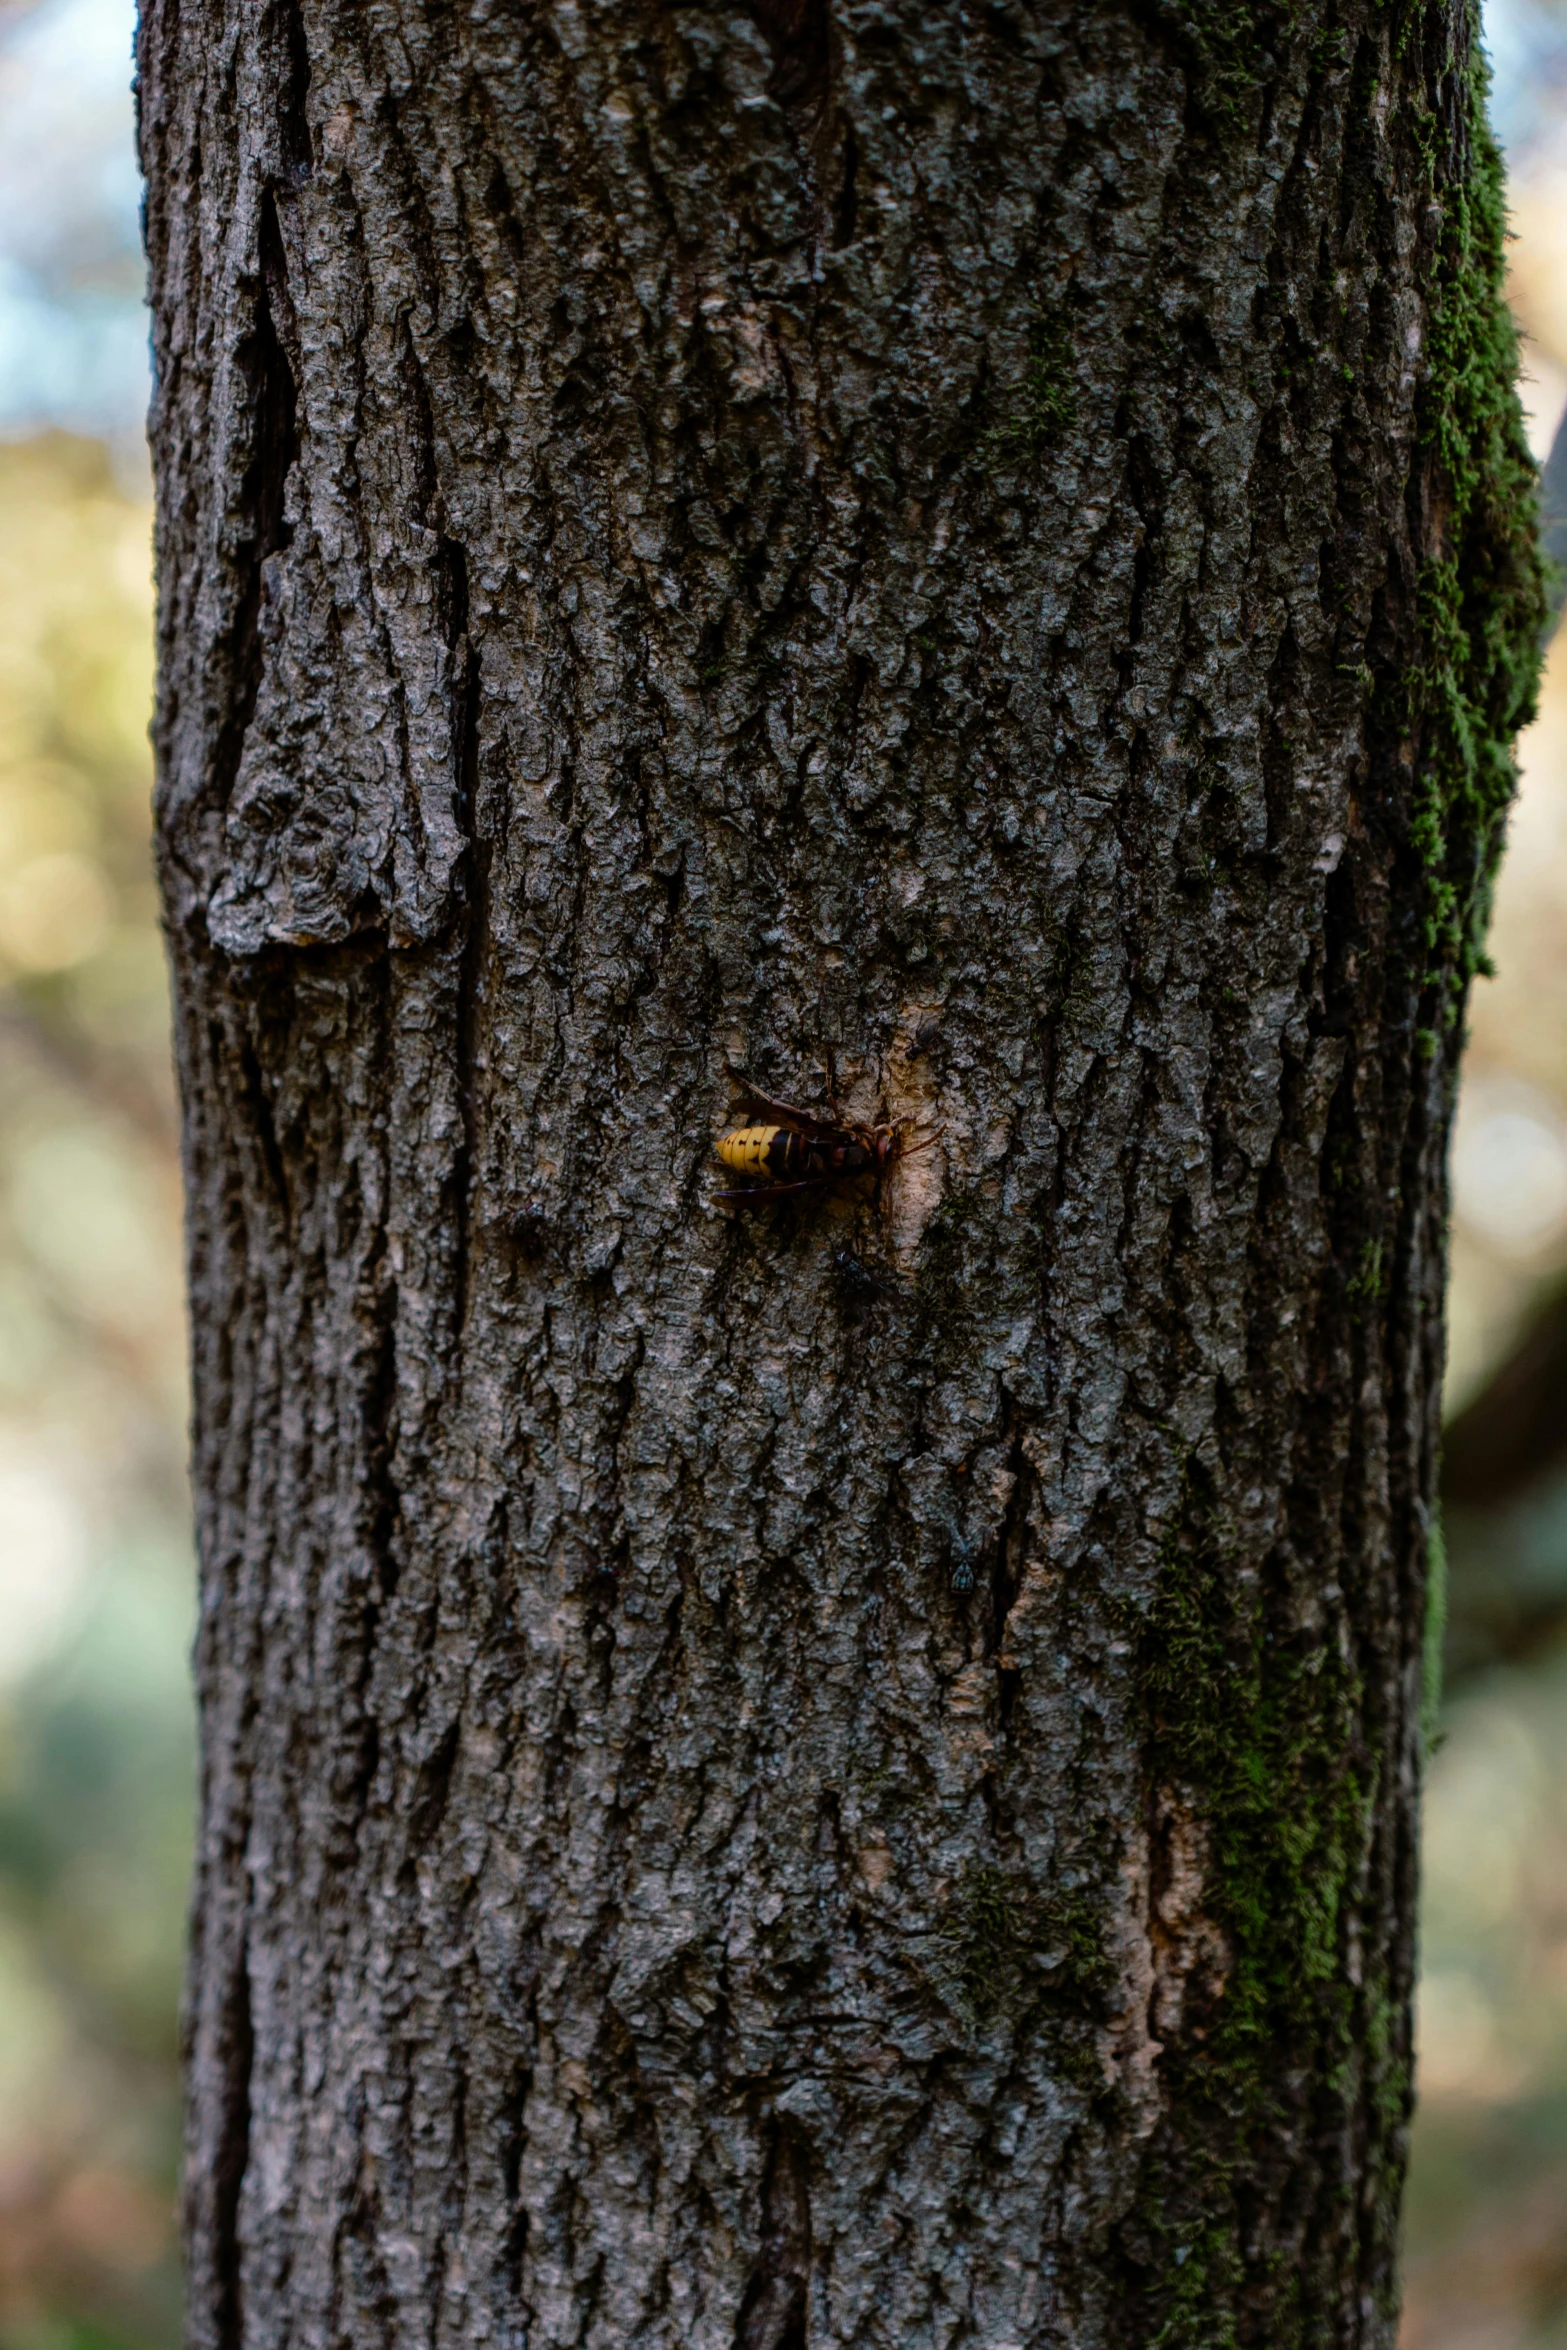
(762, 1191)
(806, 1120)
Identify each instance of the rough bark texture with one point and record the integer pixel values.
(844, 1778)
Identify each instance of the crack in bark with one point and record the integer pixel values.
(222, 2190)
(272, 386)
(775, 2313)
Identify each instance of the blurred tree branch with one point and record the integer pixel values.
(1504, 1498)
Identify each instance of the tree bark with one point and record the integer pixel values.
(840, 1775)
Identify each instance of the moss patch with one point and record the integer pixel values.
(1481, 605)
(1227, 42)
(1002, 1949)
(1258, 1730)
(1042, 407)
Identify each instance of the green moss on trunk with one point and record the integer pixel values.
(1257, 1730)
(1482, 591)
(1257, 1716)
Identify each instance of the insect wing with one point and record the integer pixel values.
(755, 1194)
(819, 1129)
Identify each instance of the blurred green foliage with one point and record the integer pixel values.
(95, 1577)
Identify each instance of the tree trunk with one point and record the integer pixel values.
(842, 1773)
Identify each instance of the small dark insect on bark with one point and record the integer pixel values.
(859, 1286)
(965, 1558)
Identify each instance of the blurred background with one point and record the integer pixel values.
(95, 1574)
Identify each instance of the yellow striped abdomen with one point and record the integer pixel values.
(758, 1150)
